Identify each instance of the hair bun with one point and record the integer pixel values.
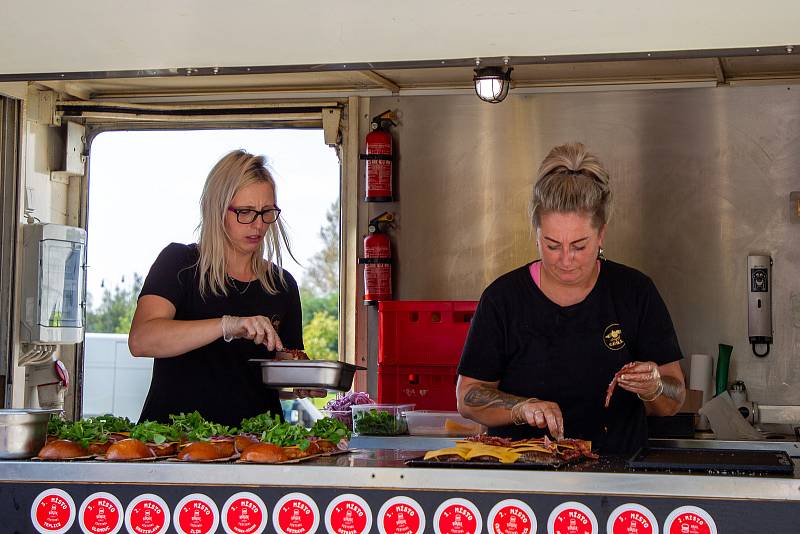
(572, 179)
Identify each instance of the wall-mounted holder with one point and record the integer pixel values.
(759, 302)
(75, 160)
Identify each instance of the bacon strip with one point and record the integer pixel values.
(292, 354)
(490, 440)
(613, 384)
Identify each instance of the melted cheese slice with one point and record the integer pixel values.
(504, 454)
(457, 451)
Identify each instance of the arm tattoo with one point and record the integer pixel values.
(480, 396)
(673, 389)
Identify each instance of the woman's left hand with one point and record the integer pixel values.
(257, 328)
(642, 378)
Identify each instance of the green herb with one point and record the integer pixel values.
(112, 423)
(260, 423)
(197, 428)
(287, 435)
(331, 429)
(378, 422)
(84, 432)
(153, 432)
(55, 424)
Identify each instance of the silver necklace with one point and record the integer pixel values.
(235, 283)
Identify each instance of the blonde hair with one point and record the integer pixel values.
(234, 171)
(571, 179)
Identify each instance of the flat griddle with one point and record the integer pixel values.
(712, 460)
(421, 462)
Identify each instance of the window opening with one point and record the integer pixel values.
(144, 193)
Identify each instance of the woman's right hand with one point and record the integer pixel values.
(483, 402)
(541, 414)
(257, 328)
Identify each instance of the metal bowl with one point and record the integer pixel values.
(337, 376)
(22, 432)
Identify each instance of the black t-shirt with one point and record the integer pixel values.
(568, 355)
(216, 379)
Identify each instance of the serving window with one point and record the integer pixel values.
(144, 189)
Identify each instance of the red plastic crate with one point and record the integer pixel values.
(423, 332)
(428, 387)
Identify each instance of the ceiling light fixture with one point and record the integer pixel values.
(492, 83)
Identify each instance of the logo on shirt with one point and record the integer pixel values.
(612, 337)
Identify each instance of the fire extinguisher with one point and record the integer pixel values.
(379, 159)
(377, 260)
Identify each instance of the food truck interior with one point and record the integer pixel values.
(695, 111)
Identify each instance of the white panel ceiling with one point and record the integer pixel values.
(113, 35)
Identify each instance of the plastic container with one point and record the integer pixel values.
(345, 416)
(423, 332)
(432, 423)
(428, 387)
(380, 419)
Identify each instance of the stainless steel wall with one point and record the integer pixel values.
(701, 176)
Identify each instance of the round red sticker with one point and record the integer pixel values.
(401, 515)
(147, 514)
(53, 511)
(244, 513)
(348, 514)
(572, 518)
(511, 516)
(689, 520)
(295, 513)
(196, 514)
(457, 516)
(100, 513)
(632, 518)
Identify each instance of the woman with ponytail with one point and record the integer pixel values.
(549, 340)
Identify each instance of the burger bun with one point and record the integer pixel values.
(264, 453)
(62, 449)
(129, 449)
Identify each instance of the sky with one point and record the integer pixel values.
(144, 193)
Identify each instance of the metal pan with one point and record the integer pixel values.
(308, 374)
(23, 432)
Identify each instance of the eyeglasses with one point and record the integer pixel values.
(247, 215)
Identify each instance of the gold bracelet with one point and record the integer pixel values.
(657, 394)
(517, 417)
(516, 414)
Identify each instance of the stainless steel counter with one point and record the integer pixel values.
(385, 469)
(377, 481)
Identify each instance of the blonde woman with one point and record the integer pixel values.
(548, 338)
(205, 309)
